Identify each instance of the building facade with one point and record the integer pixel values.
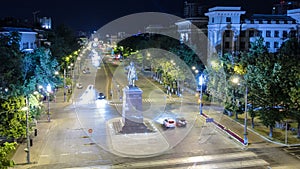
(46, 22)
(28, 40)
(193, 23)
(229, 31)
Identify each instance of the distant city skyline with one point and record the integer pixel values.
(91, 15)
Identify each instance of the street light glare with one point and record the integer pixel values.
(201, 80)
(24, 108)
(235, 80)
(48, 88)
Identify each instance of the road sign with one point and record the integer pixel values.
(209, 120)
(90, 130)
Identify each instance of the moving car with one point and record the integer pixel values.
(169, 123)
(101, 96)
(181, 122)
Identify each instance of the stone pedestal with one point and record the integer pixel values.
(132, 112)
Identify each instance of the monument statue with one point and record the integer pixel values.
(132, 75)
(132, 111)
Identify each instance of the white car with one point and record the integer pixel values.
(169, 123)
(79, 86)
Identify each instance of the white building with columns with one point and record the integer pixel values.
(229, 31)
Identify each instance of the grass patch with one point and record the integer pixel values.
(279, 135)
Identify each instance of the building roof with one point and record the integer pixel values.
(16, 29)
(269, 17)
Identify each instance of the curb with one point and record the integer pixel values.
(227, 131)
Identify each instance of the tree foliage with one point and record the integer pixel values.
(4, 152)
(289, 59)
(272, 81)
(11, 58)
(39, 69)
(63, 42)
(13, 118)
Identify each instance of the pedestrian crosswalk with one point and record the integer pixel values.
(293, 150)
(146, 100)
(235, 160)
(90, 102)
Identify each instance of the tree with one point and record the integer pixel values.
(289, 59)
(188, 56)
(63, 42)
(231, 67)
(39, 68)
(13, 118)
(4, 152)
(217, 85)
(263, 78)
(11, 57)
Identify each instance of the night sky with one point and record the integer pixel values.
(89, 15)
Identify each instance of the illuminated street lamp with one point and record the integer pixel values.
(201, 82)
(236, 81)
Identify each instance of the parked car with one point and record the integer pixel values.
(101, 96)
(181, 122)
(79, 86)
(169, 123)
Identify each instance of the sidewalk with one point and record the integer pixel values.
(43, 127)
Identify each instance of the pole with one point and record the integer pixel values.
(48, 107)
(286, 136)
(27, 132)
(201, 98)
(245, 127)
(65, 85)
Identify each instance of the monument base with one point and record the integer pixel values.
(131, 127)
(132, 112)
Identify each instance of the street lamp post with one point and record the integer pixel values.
(246, 118)
(27, 149)
(201, 81)
(65, 85)
(48, 94)
(236, 80)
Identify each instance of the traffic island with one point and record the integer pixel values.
(135, 145)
